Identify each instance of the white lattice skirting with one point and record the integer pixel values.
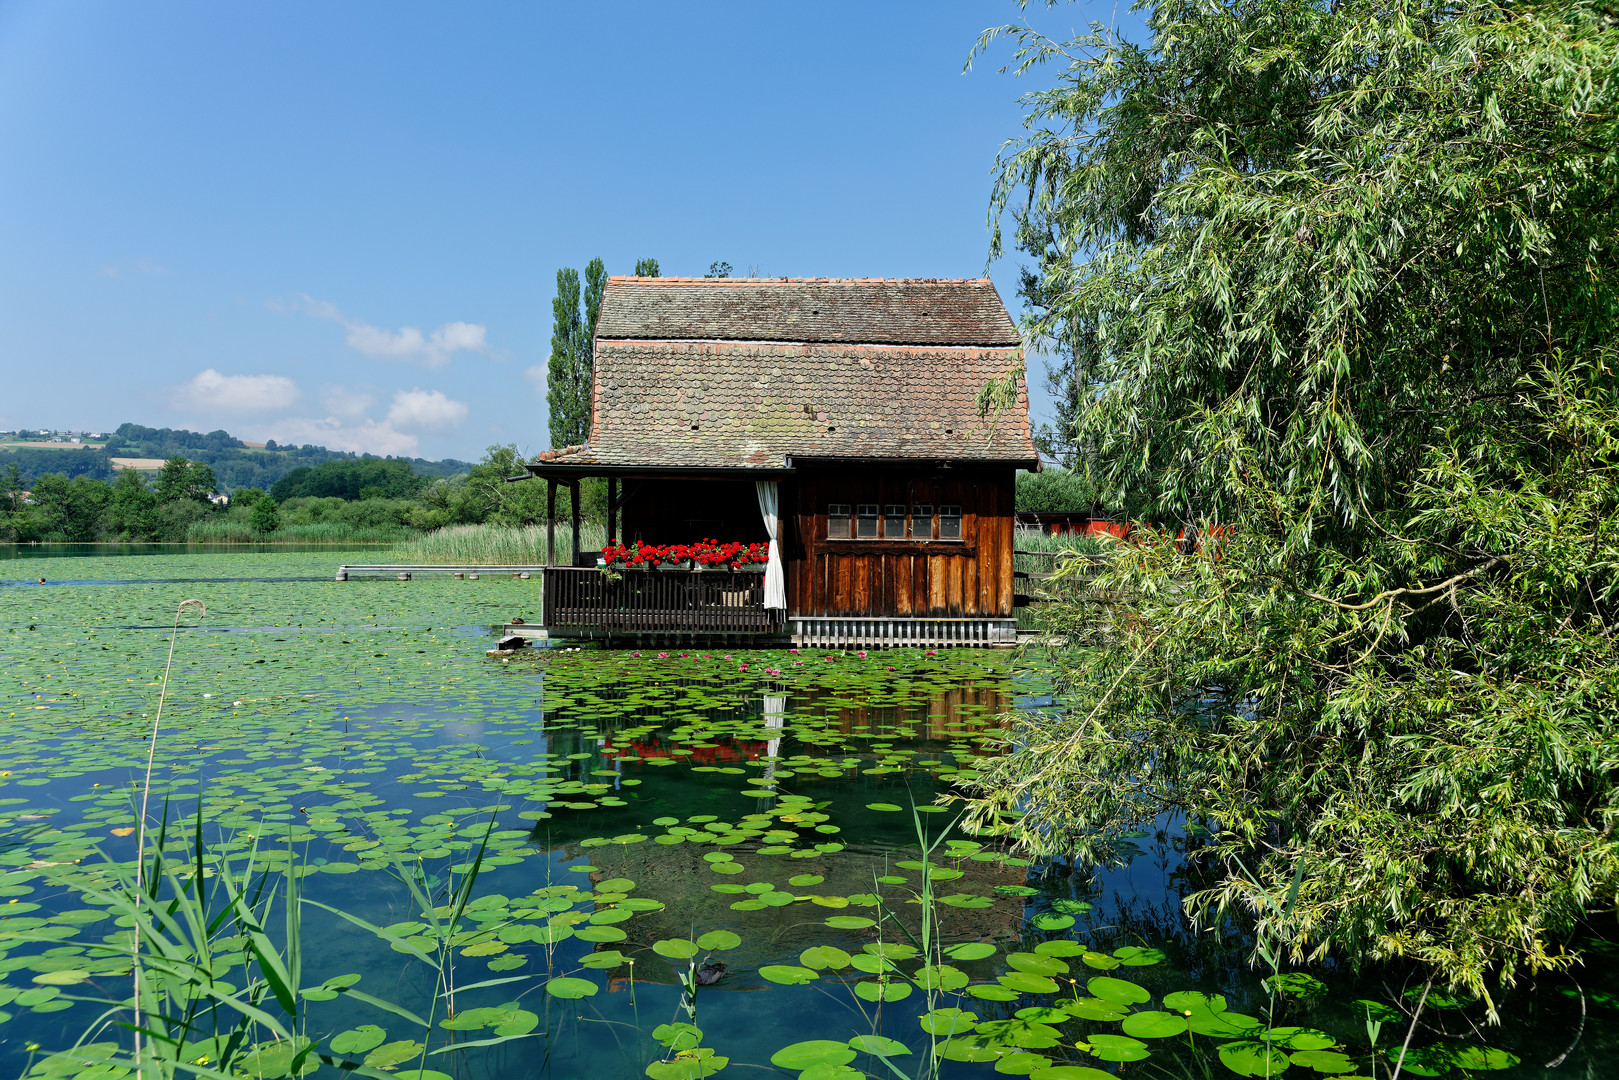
(900, 633)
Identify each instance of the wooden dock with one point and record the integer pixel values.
(406, 571)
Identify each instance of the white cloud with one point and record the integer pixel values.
(537, 376)
(432, 348)
(211, 392)
(364, 437)
(428, 410)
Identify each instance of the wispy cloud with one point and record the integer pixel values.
(537, 376)
(347, 427)
(432, 348)
(363, 437)
(210, 392)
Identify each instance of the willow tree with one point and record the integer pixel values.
(1335, 281)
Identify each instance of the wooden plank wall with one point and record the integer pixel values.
(877, 578)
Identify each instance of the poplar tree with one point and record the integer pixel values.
(570, 371)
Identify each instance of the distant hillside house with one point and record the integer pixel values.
(837, 416)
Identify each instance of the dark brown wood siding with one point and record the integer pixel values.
(920, 579)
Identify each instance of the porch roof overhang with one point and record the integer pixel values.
(570, 473)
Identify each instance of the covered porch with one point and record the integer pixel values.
(647, 603)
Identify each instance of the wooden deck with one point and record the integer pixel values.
(644, 602)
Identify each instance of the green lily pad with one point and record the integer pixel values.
(787, 974)
(1247, 1057)
(1323, 1061)
(358, 1040)
(675, 948)
(881, 991)
(1120, 991)
(877, 1044)
(970, 950)
(1118, 1048)
(821, 957)
(1154, 1025)
(803, 1055)
(949, 1022)
(567, 987)
(1027, 983)
(718, 941)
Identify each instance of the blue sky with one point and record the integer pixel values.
(341, 223)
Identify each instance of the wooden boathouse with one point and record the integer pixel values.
(837, 421)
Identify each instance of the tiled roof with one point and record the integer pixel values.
(858, 311)
(729, 405)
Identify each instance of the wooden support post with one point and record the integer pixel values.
(574, 561)
(550, 522)
(612, 509)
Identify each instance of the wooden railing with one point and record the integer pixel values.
(658, 601)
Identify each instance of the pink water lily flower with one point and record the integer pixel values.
(636, 654)
(663, 656)
(861, 654)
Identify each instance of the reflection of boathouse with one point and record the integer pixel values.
(837, 420)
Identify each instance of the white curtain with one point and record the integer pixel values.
(775, 583)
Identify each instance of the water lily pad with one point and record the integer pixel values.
(1248, 1057)
(1297, 984)
(567, 987)
(970, 950)
(1484, 1058)
(1071, 1072)
(788, 974)
(675, 948)
(944, 1022)
(1119, 991)
(1323, 1061)
(1021, 1063)
(1227, 1025)
(718, 941)
(1136, 956)
(1027, 983)
(358, 1040)
(821, 957)
(1189, 1002)
(1120, 1048)
(1154, 1025)
(1036, 963)
(850, 922)
(1051, 921)
(803, 1055)
(882, 991)
(877, 1044)
(390, 1054)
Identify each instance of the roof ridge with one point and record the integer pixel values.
(622, 278)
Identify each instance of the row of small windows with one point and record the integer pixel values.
(894, 522)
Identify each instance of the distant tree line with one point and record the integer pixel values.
(234, 463)
(346, 499)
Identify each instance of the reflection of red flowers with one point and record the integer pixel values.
(703, 553)
(735, 750)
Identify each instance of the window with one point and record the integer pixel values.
(894, 521)
(949, 522)
(922, 521)
(837, 521)
(865, 521)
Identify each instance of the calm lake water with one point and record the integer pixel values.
(354, 737)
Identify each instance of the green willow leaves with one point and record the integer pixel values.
(1334, 280)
